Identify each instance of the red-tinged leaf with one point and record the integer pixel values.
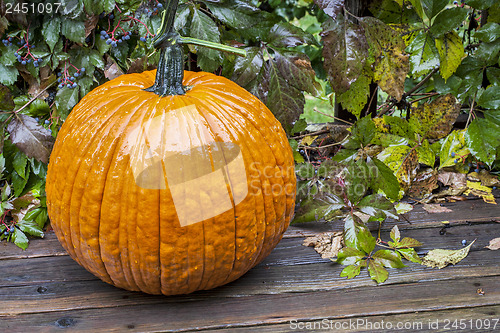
(395, 234)
(377, 272)
(286, 35)
(246, 69)
(6, 101)
(388, 258)
(345, 51)
(410, 255)
(331, 8)
(349, 256)
(296, 68)
(409, 242)
(31, 138)
(322, 207)
(350, 271)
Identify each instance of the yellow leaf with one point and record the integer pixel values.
(479, 190)
(441, 258)
(308, 140)
(451, 51)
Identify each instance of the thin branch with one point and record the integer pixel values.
(329, 115)
(310, 134)
(471, 111)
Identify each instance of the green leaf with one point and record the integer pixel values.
(246, 69)
(202, 27)
(65, 100)
(349, 256)
(409, 242)
(363, 130)
(388, 259)
(482, 139)
(6, 192)
(493, 75)
(366, 242)
(377, 206)
(331, 8)
(382, 178)
(323, 206)
(403, 161)
(488, 53)
(73, 30)
(433, 7)
(424, 55)
(453, 143)
(490, 98)
(448, 20)
(235, 14)
(305, 170)
(488, 32)
(8, 58)
(391, 62)
(481, 4)
(19, 163)
(6, 101)
(377, 271)
(350, 271)
(20, 239)
(51, 31)
(425, 154)
(345, 155)
(351, 224)
(31, 228)
(410, 255)
(436, 119)
(296, 155)
(286, 35)
(8, 74)
(356, 97)
(451, 51)
(345, 51)
(356, 178)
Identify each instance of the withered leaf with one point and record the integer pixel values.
(31, 138)
(453, 179)
(327, 244)
(436, 208)
(436, 119)
(441, 258)
(494, 244)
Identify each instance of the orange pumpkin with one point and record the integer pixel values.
(170, 194)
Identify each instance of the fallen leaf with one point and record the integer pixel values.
(494, 244)
(403, 207)
(308, 140)
(436, 208)
(453, 179)
(327, 244)
(441, 258)
(488, 179)
(423, 184)
(475, 188)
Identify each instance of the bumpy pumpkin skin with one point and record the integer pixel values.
(130, 235)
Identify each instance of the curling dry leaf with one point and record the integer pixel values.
(441, 258)
(453, 179)
(481, 191)
(436, 208)
(494, 244)
(327, 244)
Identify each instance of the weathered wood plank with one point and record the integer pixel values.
(211, 313)
(463, 212)
(475, 319)
(38, 247)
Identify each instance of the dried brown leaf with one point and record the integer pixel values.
(436, 208)
(327, 244)
(494, 244)
(453, 179)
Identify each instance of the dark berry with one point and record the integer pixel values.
(72, 78)
(74, 85)
(47, 121)
(109, 41)
(119, 40)
(82, 69)
(35, 63)
(111, 16)
(103, 37)
(68, 85)
(142, 39)
(23, 62)
(159, 5)
(77, 74)
(6, 232)
(113, 43)
(452, 154)
(464, 242)
(477, 170)
(103, 32)
(456, 160)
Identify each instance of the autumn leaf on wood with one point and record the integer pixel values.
(441, 258)
(494, 244)
(30, 137)
(436, 208)
(327, 244)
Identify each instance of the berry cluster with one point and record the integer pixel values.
(7, 41)
(67, 80)
(115, 39)
(150, 12)
(28, 57)
(9, 229)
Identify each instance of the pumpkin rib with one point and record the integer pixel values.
(229, 121)
(65, 172)
(110, 223)
(86, 225)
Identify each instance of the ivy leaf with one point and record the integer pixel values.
(323, 206)
(425, 154)
(331, 8)
(351, 271)
(395, 234)
(236, 14)
(391, 63)
(65, 100)
(356, 97)
(6, 101)
(410, 255)
(403, 161)
(409, 242)
(73, 30)
(202, 27)
(448, 20)
(284, 100)
(246, 69)
(349, 256)
(377, 271)
(30, 137)
(453, 143)
(31, 228)
(366, 242)
(382, 178)
(424, 55)
(51, 31)
(490, 98)
(451, 51)
(436, 119)
(377, 206)
(488, 32)
(296, 68)
(433, 7)
(482, 138)
(388, 258)
(345, 51)
(8, 74)
(286, 35)
(20, 239)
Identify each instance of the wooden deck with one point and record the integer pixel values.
(43, 290)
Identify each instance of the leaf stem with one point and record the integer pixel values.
(214, 46)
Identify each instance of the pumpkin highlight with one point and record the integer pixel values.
(170, 194)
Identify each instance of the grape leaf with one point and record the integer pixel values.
(451, 51)
(482, 138)
(8, 74)
(424, 55)
(377, 271)
(51, 31)
(388, 258)
(30, 137)
(202, 27)
(448, 20)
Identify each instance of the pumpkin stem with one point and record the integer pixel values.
(170, 70)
